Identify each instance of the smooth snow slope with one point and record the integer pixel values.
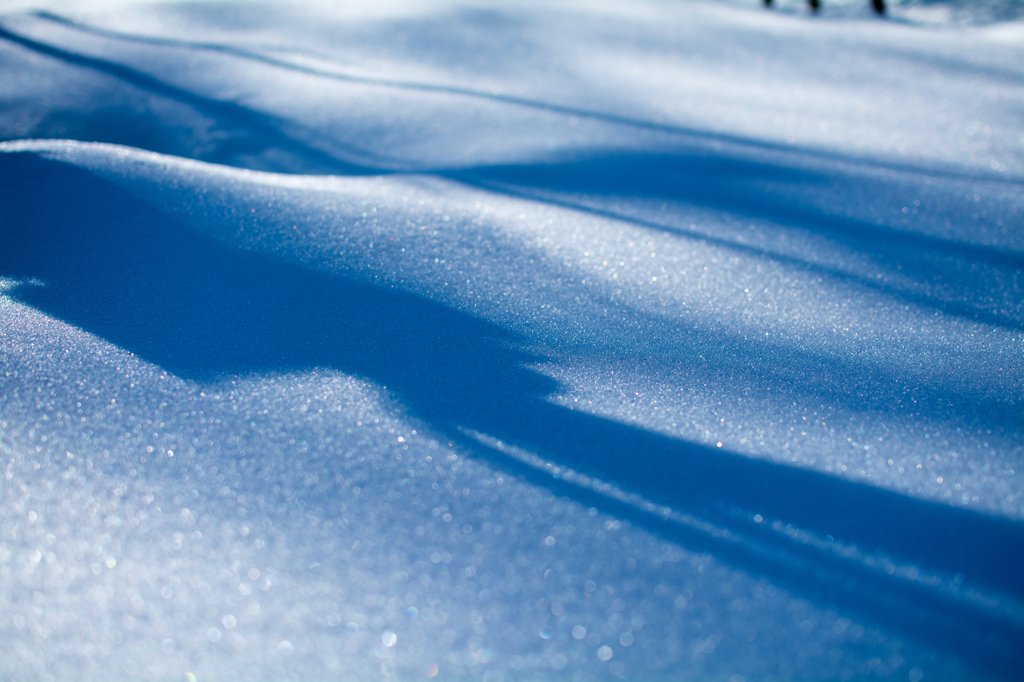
(510, 342)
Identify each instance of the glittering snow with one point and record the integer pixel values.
(511, 341)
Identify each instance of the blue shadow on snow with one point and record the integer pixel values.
(105, 261)
(972, 281)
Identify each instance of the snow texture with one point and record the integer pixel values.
(511, 341)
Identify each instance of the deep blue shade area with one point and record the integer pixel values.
(104, 260)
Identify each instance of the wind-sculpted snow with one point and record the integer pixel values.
(568, 356)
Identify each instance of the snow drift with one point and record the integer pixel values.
(670, 341)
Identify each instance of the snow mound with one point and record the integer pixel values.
(665, 341)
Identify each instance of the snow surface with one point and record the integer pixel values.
(467, 340)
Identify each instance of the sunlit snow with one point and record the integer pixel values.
(653, 340)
